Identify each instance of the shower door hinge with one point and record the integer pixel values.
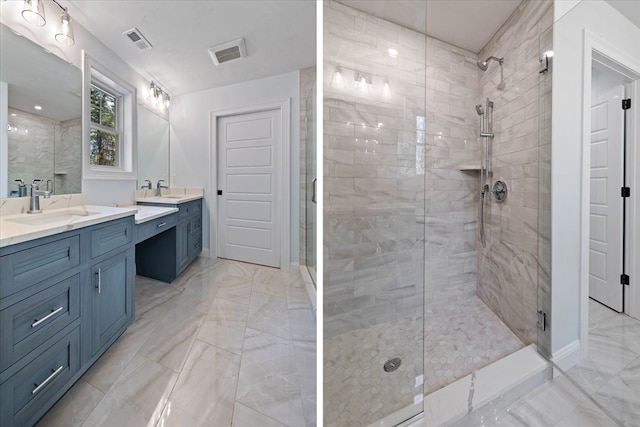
(542, 321)
(625, 192)
(626, 104)
(624, 279)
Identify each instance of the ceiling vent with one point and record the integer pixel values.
(138, 39)
(228, 51)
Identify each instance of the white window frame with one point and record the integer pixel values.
(98, 75)
(117, 130)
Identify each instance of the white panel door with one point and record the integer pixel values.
(249, 176)
(605, 237)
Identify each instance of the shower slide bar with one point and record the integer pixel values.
(486, 133)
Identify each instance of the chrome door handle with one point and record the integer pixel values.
(313, 194)
(99, 281)
(53, 313)
(162, 224)
(45, 382)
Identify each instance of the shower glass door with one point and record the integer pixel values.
(311, 211)
(374, 151)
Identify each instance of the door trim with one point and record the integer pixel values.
(284, 198)
(619, 62)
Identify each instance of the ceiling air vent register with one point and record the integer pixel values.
(138, 39)
(228, 51)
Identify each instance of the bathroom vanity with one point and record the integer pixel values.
(166, 245)
(66, 294)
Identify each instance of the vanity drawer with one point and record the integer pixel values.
(30, 322)
(196, 208)
(184, 210)
(26, 394)
(30, 266)
(112, 236)
(153, 227)
(196, 225)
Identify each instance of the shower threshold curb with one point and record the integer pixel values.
(479, 395)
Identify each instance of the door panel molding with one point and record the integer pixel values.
(284, 191)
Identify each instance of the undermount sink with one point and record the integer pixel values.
(173, 196)
(46, 218)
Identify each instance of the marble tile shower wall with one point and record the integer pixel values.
(38, 145)
(374, 134)
(30, 145)
(508, 266)
(451, 194)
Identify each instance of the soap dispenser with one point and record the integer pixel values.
(22, 189)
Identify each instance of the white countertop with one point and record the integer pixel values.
(169, 196)
(54, 221)
(147, 213)
(169, 200)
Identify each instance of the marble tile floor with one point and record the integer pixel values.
(459, 339)
(227, 343)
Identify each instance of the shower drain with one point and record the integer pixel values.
(392, 364)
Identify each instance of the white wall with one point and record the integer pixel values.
(609, 26)
(191, 139)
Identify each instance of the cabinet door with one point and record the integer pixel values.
(112, 306)
(183, 241)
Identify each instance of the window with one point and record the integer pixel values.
(105, 133)
(109, 124)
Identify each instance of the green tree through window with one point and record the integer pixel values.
(105, 132)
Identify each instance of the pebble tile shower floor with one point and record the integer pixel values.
(459, 339)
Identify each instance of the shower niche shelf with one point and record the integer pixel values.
(472, 168)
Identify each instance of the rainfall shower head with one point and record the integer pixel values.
(483, 65)
(479, 110)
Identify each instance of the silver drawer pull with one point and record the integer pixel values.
(53, 313)
(162, 224)
(45, 382)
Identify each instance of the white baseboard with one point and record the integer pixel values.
(206, 253)
(568, 356)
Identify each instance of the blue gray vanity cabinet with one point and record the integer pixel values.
(64, 299)
(164, 256)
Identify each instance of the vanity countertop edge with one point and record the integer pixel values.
(12, 233)
(147, 213)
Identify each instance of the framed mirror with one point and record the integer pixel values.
(43, 139)
(153, 147)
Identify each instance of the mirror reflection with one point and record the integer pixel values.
(44, 111)
(153, 147)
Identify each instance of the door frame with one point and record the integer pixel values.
(284, 196)
(618, 62)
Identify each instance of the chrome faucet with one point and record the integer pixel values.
(159, 187)
(34, 205)
(148, 184)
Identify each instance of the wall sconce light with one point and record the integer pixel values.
(33, 13)
(544, 61)
(65, 31)
(363, 79)
(159, 96)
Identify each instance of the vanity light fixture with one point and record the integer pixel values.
(65, 30)
(33, 13)
(159, 96)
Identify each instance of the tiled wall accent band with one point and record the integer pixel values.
(508, 266)
(374, 144)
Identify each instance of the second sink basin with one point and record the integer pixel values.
(56, 216)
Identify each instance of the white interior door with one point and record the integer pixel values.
(605, 238)
(249, 177)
